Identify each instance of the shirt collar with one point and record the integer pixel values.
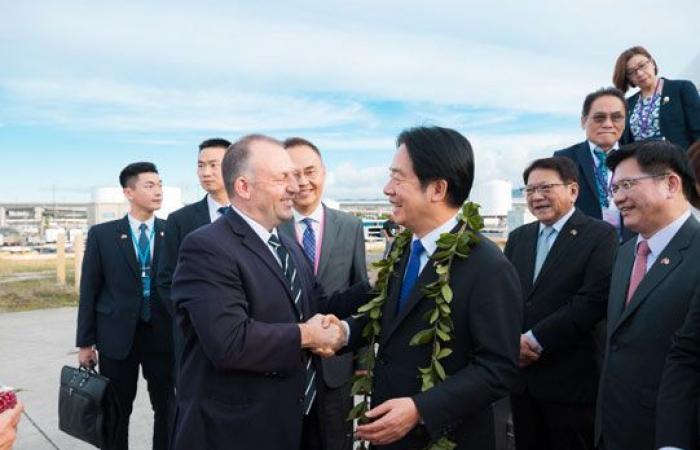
(135, 224)
(559, 224)
(260, 230)
(213, 205)
(429, 241)
(659, 240)
(316, 215)
(593, 146)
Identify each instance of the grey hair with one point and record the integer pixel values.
(237, 157)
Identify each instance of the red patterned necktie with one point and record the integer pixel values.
(639, 269)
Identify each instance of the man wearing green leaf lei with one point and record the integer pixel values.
(445, 322)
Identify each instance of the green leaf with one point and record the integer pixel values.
(444, 336)
(444, 353)
(357, 411)
(439, 370)
(422, 337)
(446, 240)
(375, 313)
(439, 256)
(434, 315)
(446, 292)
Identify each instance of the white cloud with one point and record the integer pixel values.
(348, 181)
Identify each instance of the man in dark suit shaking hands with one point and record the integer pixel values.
(247, 301)
(564, 260)
(120, 314)
(653, 281)
(334, 243)
(431, 176)
(187, 219)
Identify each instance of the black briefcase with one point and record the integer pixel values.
(88, 408)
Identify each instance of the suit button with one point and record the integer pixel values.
(300, 400)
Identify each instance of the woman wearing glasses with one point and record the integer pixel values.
(663, 108)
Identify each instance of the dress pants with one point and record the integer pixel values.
(157, 370)
(311, 434)
(548, 425)
(334, 405)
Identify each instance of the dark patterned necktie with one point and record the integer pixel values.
(290, 273)
(145, 262)
(308, 241)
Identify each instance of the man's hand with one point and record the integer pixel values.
(323, 335)
(8, 426)
(528, 352)
(87, 357)
(394, 419)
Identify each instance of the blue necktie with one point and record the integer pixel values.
(412, 271)
(308, 241)
(543, 246)
(222, 210)
(145, 262)
(290, 273)
(601, 175)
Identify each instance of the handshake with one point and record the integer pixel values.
(323, 335)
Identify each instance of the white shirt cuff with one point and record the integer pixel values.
(533, 340)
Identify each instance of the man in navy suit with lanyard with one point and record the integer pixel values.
(121, 323)
(603, 120)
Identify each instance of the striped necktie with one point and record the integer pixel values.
(290, 273)
(308, 241)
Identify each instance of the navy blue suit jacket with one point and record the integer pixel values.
(242, 378)
(587, 201)
(487, 315)
(111, 292)
(679, 117)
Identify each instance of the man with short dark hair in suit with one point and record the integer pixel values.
(603, 120)
(334, 243)
(653, 281)
(564, 260)
(247, 301)
(122, 325)
(187, 219)
(431, 177)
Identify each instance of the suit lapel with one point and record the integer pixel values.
(126, 246)
(663, 117)
(202, 212)
(253, 242)
(526, 260)
(565, 239)
(587, 164)
(618, 291)
(667, 262)
(393, 292)
(330, 237)
(158, 239)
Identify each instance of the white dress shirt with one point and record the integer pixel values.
(659, 240)
(135, 224)
(213, 207)
(261, 231)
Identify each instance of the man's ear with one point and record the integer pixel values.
(241, 186)
(438, 190)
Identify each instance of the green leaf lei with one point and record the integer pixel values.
(440, 329)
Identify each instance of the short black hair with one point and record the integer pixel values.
(297, 141)
(215, 142)
(129, 173)
(602, 92)
(657, 158)
(441, 154)
(564, 166)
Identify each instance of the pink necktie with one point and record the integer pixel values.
(639, 269)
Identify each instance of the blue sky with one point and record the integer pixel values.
(87, 87)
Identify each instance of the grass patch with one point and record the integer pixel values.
(17, 294)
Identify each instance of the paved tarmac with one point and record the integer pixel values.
(34, 346)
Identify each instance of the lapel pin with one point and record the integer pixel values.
(123, 236)
(666, 100)
(665, 261)
(573, 232)
(162, 233)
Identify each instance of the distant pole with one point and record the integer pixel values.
(78, 250)
(61, 259)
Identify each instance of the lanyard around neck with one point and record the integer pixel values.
(143, 255)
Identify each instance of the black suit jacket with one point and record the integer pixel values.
(639, 337)
(341, 265)
(111, 291)
(564, 304)
(587, 201)
(487, 315)
(679, 117)
(242, 377)
(180, 223)
(677, 407)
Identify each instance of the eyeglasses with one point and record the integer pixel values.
(601, 118)
(629, 183)
(641, 66)
(543, 189)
